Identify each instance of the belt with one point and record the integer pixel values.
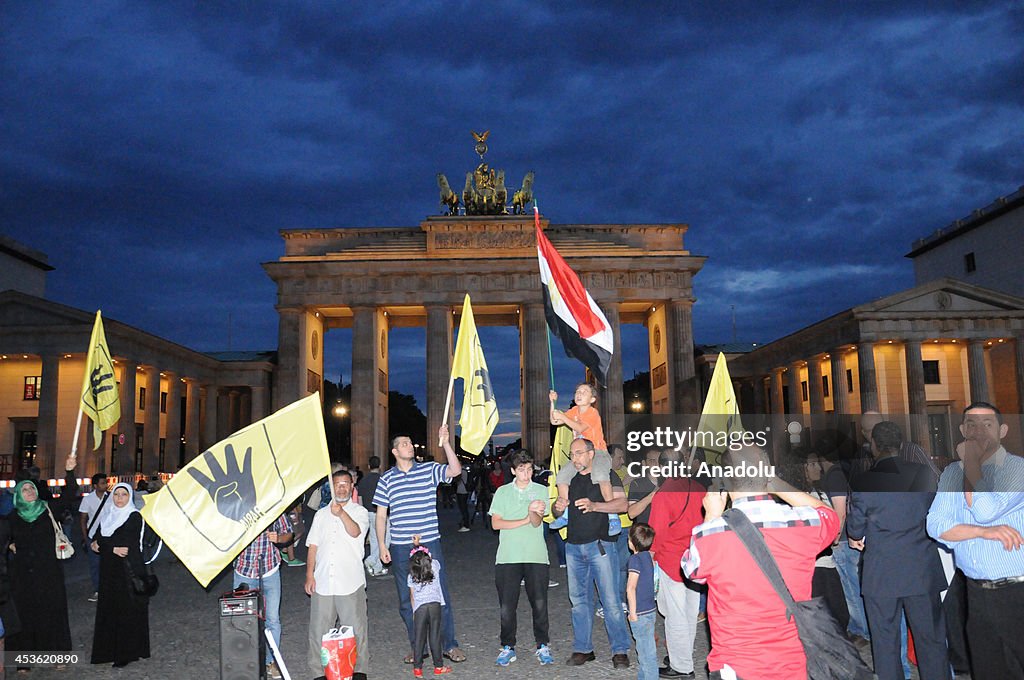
(997, 583)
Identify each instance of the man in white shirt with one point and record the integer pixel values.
(335, 579)
(87, 510)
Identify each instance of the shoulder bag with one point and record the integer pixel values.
(830, 655)
(63, 546)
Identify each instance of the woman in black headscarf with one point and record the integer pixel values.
(121, 633)
(37, 576)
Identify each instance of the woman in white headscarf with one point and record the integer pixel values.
(121, 633)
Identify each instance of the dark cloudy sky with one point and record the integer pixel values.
(154, 150)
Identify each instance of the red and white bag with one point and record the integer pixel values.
(338, 653)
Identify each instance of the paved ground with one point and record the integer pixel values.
(184, 623)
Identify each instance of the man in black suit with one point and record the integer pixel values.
(901, 572)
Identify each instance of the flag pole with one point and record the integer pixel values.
(78, 429)
(447, 405)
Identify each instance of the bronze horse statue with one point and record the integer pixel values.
(524, 196)
(449, 198)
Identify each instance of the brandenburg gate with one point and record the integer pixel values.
(372, 280)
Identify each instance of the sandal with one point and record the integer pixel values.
(455, 654)
(407, 659)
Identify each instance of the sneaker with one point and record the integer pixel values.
(417, 672)
(543, 655)
(506, 656)
(552, 584)
(94, 597)
(463, 530)
(563, 521)
(273, 671)
(442, 670)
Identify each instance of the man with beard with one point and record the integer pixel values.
(335, 579)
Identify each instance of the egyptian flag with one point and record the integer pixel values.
(571, 313)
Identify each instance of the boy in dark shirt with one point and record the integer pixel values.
(640, 587)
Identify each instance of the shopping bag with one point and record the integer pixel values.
(338, 653)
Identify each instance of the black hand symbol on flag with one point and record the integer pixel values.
(97, 378)
(485, 384)
(232, 489)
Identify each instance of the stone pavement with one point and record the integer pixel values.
(184, 623)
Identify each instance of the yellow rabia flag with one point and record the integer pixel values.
(217, 504)
(560, 455)
(479, 408)
(100, 400)
(721, 415)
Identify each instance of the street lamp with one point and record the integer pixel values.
(340, 410)
(637, 406)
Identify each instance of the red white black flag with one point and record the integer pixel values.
(570, 311)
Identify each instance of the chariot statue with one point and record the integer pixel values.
(485, 192)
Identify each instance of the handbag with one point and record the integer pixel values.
(63, 546)
(830, 655)
(144, 585)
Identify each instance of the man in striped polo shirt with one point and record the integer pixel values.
(407, 493)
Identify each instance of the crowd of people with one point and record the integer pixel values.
(913, 564)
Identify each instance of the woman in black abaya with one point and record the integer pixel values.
(37, 576)
(121, 634)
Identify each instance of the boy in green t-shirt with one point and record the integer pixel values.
(517, 512)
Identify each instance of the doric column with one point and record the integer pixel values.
(258, 403)
(976, 371)
(917, 403)
(683, 396)
(125, 457)
(192, 420)
(1018, 345)
(46, 424)
(151, 420)
(439, 370)
(210, 398)
(778, 419)
(796, 393)
(536, 381)
(223, 414)
(840, 406)
(289, 383)
(815, 389)
(866, 373)
(365, 412)
(244, 408)
(234, 411)
(172, 424)
(612, 412)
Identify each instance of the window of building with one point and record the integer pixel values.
(803, 389)
(849, 380)
(142, 398)
(969, 265)
(824, 386)
(163, 402)
(931, 372)
(32, 386)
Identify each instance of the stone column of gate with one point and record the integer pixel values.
(363, 410)
(537, 381)
(866, 373)
(439, 371)
(778, 418)
(210, 400)
(245, 408)
(1018, 344)
(976, 371)
(816, 392)
(258, 402)
(151, 422)
(125, 462)
(234, 410)
(840, 405)
(172, 424)
(192, 418)
(758, 393)
(917, 404)
(48, 459)
(288, 383)
(796, 393)
(683, 397)
(613, 417)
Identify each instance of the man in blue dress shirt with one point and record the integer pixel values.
(979, 513)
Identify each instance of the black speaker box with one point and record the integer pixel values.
(242, 641)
